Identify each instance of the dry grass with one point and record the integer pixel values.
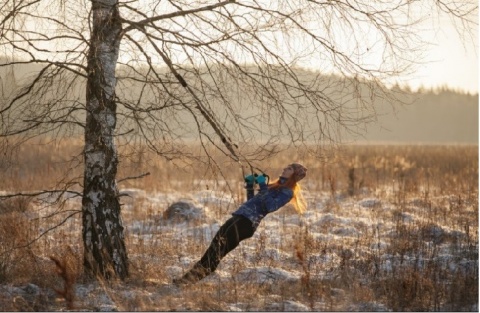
(414, 246)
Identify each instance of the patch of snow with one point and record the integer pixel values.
(106, 308)
(82, 291)
(345, 231)
(273, 254)
(134, 192)
(367, 307)
(173, 271)
(380, 245)
(386, 266)
(406, 217)
(234, 308)
(186, 262)
(141, 228)
(370, 203)
(202, 233)
(287, 306)
(326, 219)
(261, 275)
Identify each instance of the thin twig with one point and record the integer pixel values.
(134, 177)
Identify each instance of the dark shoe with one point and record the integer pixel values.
(187, 279)
(191, 277)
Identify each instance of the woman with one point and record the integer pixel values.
(245, 220)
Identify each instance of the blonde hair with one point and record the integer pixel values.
(298, 201)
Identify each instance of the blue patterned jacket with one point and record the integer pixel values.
(264, 202)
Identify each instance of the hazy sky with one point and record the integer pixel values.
(452, 62)
(448, 58)
(449, 61)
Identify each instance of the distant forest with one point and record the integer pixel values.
(426, 116)
(434, 117)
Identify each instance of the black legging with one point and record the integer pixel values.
(234, 230)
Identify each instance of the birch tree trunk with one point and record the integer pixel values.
(103, 236)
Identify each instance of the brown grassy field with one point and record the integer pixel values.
(388, 228)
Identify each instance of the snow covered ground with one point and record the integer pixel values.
(370, 252)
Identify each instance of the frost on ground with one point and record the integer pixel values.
(345, 254)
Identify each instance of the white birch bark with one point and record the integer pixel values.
(104, 245)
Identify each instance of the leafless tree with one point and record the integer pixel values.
(227, 74)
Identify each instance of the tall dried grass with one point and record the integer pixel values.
(403, 270)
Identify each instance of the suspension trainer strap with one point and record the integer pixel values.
(250, 186)
(210, 118)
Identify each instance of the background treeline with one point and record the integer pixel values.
(437, 116)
